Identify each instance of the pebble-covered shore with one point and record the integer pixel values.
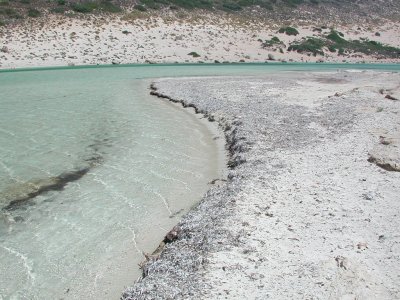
(306, 212)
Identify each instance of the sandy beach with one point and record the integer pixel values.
(310, 207)
(91, 40)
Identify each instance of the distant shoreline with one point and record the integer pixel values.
(92, 40)
(333, 65)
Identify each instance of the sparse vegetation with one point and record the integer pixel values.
(336, 37)
(85, 7)
(272, 42)
(309, 45)
(33, 13)
(58, 10)
(232, 6)
(10, 13)
(139, 7)
(334, 41)
(90, 6)
(148, 4)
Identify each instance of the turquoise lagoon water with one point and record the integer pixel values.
(94, 170)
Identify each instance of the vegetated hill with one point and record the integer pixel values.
(278, 10)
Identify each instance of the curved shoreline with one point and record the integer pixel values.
(190, 231)
(219, 234)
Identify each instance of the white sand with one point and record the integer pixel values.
(307, 215)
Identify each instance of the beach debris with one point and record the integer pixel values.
(342, 262)
(384, 141)
(387, 162)
(4, 49)
(172, 235)
(390, 97)
(362, 246)
(214, 181)
(368, 196)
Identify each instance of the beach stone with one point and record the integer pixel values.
(385, 156)
(4, 49)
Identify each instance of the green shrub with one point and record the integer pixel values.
(58, 10)
(4, 2)
(273, 41)
(33, 13)
(373, 47)
(288, 30)
(61, 2)
(25, 1)
(84, 7)
(336, 37)
(292, 3)
(139, 7)
(266, 5)
(108, 6)
(332, 48)
(150, 4)
(231, 6)
(194, 54)
(10, 13)
(310, 45)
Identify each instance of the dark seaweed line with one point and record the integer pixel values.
(60, 182)
(230, 130)
(234, 147)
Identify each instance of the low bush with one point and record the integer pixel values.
(58, 10)
(309, 45)
(150, 4)
(194, 54)
(90, 6)
(33, 13)
(336, 36)
(139, 7)
(108, 6)
(272, 42)
(10, 13)
(84, 7)
(231, 6)
(288, 30)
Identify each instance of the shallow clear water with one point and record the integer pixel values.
(93, 171)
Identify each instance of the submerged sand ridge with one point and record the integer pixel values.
(305, 212)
